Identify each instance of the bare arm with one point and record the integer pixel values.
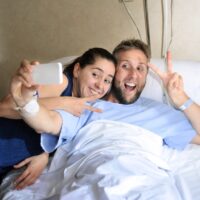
(35, 166)
(44, 120)
(49, 97)
(193, 114)
(173, 83)
(73, 105)
(38, 117)
(7, 103)
(6, 108)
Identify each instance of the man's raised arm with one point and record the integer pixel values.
(173, 83)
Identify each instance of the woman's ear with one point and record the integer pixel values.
(76, 70)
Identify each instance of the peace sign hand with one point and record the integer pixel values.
(76, 106)
(172, 81)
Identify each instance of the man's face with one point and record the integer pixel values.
(130, 76)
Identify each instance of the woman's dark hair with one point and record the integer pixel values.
(89, 58)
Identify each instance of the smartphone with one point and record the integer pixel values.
(45, 74)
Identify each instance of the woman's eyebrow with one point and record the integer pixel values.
(102, 71)
(98, 68)
(123, 60)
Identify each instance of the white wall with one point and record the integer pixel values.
(49, 29)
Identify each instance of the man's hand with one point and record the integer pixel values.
(35, 166)
(172, 82)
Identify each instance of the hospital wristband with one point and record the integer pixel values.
(30, 109)
(186, 105)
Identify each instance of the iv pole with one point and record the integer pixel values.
(165, 27)
(146, 17)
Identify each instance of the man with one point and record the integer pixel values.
(133, 57)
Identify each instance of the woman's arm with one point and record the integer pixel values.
(73, 105)
(6, 108)
(48, 91)
(35, 166)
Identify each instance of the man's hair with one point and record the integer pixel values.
(129, 44)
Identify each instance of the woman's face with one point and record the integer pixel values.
(93, 79)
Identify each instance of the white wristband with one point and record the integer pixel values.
(186, 105)
(30, 109)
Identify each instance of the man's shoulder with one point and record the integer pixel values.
(144, 100)
(150, 102)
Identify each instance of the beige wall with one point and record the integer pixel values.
(49, 29)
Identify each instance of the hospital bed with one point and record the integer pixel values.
(114, 160)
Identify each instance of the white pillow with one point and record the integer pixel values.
(153, 88)
(189, 70)
(64, 60)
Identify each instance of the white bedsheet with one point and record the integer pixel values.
(112, 160)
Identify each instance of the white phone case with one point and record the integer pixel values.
(51, 73)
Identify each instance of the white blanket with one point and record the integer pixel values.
(112, 160)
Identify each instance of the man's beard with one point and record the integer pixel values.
(117, 92)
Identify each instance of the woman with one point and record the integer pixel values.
(88, 75)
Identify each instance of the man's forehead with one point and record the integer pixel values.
(132, 61)
(132, 56)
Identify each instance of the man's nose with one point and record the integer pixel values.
(133, 73)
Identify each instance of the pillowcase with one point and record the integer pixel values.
(64, 60)
(153, 88)
(189, 70)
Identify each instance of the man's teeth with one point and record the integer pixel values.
(130, 84)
